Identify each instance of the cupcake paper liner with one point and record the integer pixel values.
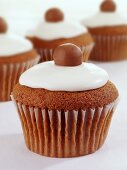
(47, 54)
(56, 133)
(9, 76)
(109, 48)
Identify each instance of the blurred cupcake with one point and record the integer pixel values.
(16, 55)
(65, 106)
(56, 30)
(109, 30)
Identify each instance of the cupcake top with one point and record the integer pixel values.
(12, 44)
(65, 73)
(107, 16)
(56, 26)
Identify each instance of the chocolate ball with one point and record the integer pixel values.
(68, 55)
(54, 15)
(108, 6)
(3, 25)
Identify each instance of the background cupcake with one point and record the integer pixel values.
(16, 55)
(109, 30)
(56, 30)
(65, 114)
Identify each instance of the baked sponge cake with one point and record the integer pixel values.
(16, 55)
(109, 30)
(56, 30)
(65, 106)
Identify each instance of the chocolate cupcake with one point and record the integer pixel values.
(65, 106)
(16, 55)
(109, 30)
(57, 30)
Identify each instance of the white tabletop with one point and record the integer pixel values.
(112, 156)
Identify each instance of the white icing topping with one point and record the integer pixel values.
(105, 19)
(58, 78)
(63, 29)
(13, 44)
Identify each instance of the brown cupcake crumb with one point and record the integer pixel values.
(19, 57)
(111, 31)
(59, 100)
(81, 40)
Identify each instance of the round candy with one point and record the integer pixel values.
(3, 25)
(54, 15)
(108, 6)
(68, 55)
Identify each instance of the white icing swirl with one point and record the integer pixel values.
(58, 78)
(63, 29)
(105, 19)
(13, 44)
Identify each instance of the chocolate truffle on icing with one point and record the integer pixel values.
(54, 15)
(67, 55)
(3, 25)
(65, 72)
(108, 6)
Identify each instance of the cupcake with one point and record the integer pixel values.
(16, 55)
(56, 30)
(65, 106)
(109, 30)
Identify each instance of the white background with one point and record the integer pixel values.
(24, 14)
(21, 15)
